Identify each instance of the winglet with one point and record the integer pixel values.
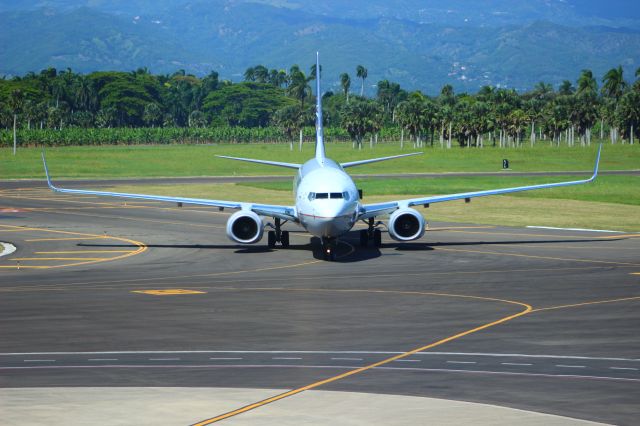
(320, 156)
(46, 171)
(595, 168)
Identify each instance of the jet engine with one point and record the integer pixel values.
(406, 225)
(245, 227)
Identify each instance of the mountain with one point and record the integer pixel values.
(418, 43)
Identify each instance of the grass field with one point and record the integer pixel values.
(612, 202)
(200, 160)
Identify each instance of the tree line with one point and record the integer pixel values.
(270, 98)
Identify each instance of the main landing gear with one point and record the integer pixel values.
(371, 234)
(278, 236)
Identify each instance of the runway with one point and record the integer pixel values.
(103, 293)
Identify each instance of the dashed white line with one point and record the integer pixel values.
(570, 366)
(408, 360)
(346, 359)
(289, 358)
(164, 359)
(515, 363)
(461, 362)
(225, 359)
(102, 359)
(39, 360)
(623, 368)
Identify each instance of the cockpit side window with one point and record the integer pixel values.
(312, 196)
(345, 195)
(322, 196)
(335, 195)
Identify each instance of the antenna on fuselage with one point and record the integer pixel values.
(319, 131)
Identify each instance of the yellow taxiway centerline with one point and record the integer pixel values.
(528, 308)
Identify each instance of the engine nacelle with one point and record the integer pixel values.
(406, 225)
(245, 227)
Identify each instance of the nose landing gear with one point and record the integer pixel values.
(278, 236)
(371, 234)
(328, 249)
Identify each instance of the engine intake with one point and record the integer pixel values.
(406, 225)
(245, 227)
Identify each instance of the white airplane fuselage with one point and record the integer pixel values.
(327, 201)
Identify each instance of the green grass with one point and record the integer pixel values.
(608, 189)
(200, 160)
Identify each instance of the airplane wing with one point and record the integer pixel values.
(375, 160)
(378, 209)
(276, 211)
(266, 162)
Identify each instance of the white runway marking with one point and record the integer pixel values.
(505, 355)
(164, 359)
(39, 360)
(329, 367)
(286, 358)
(575, 229)
(461, 362)
(623, 368)
(515, 363)
(225, 359)
(570, 366)
(102, 359)
(347, 359)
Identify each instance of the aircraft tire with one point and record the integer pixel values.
(284, 239)
(377, 238)
(364, 238)
(271, 239)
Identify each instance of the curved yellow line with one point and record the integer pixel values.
(528, 308)
(142, 247)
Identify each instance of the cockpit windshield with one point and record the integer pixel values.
(328, 195)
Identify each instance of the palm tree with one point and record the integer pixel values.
(345, 82)
(152, 114)
(587, 83)
(16, 101)
(250, 74)
(312, 75)
(361, 72)
(614, 84)
(628, 113)
(613, 88)
(566, 88)
(261, 74)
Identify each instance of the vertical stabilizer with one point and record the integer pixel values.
(319, 131)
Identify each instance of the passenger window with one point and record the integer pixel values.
(322, 195)
(336, 195)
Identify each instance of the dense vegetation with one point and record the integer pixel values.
(67, 108)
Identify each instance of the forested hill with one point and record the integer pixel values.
(419, 44)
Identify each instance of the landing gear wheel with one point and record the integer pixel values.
(377, 238)
(271, 239)
(284, 239)
(364, 238)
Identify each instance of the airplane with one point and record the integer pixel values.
(327, 202)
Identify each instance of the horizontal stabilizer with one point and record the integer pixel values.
(375, 160)
(268, 163)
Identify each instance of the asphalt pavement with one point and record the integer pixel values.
(110, 295)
